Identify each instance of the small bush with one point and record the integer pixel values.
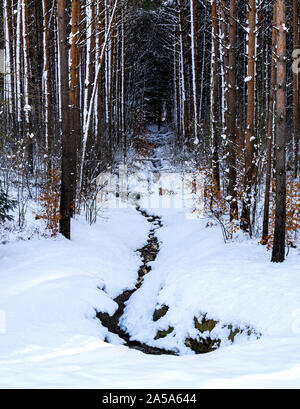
(50, 202)
(6, 206)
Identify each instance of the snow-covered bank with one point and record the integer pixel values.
(199, 288)
(85, 362)
(51, 288)
(195, 273)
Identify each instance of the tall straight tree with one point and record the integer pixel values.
(184, 120)
(46, 76)
(231, 113)
(68, 170)
(9, 83)
(278, 253)
(74, 113)
(270, 131)
(194, 64)
(214, 95)
(250, 132)
(296, 126)
(27, 84)
(123, 51)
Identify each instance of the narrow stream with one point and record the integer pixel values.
(148, 253)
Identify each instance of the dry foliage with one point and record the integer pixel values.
(50, 202)
(142, 147)
(292, 215)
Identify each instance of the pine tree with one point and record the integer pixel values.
(278, 254)
(69, 154)
(250, 124)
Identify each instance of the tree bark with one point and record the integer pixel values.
(270, 133)
(68, 171)
(250, 133)
(214, 96)
(194, 65)
(231, 114)
(185, 130)
(278, 253)
(296, 126)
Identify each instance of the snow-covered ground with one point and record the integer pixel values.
(196, 273)
(50, 289)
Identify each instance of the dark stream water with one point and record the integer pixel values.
(148, 253)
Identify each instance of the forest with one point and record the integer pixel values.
(82, 78)
(205, 91)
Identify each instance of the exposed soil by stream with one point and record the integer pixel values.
(148, 253)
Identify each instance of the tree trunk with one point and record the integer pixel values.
(270, 133)
(185, 132)
(250, 132)
(68, 171)
(46, 76)
(231, 114)
(194, 65)
(278, 253)
(296, 126)
(214, 96)
(27, 85)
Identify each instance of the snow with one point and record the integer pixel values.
(27, 108)
(51, 288)
(234, 283)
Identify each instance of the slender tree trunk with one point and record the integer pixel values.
(270, 132)
(296, 126)
(278, 253)
(88, 63)
(27, 84)
(176, 119)
(123, 88)
(194, 65)
(214, 96)
(8, 80)
(185, 133)
(18, 65)
(46, 76)
(202, 68)
(231, 114)
(68, 172)
(74, 85)
(250, 132)
(98, 97)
